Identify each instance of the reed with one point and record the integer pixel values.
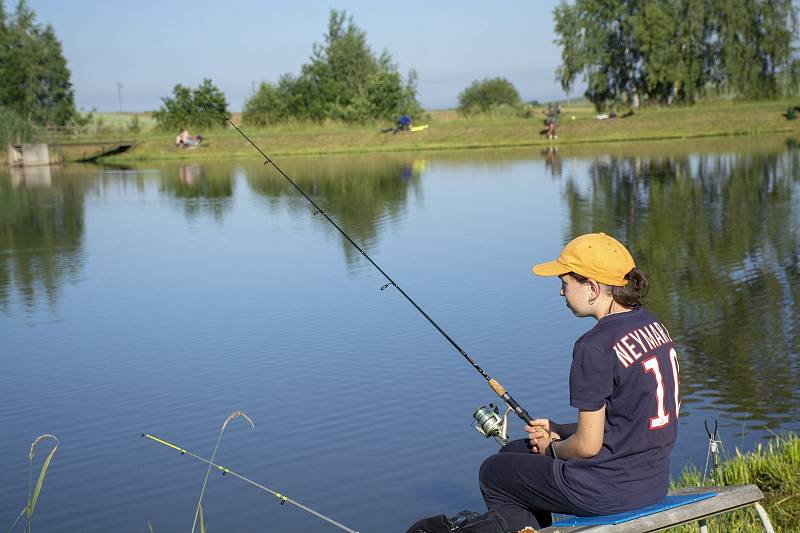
(775, 468)
(202, 519)
(199, 511)
(34, 492)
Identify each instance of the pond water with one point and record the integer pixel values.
(160, 299)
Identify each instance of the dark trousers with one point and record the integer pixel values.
(520, 486)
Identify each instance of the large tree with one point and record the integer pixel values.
(665, 51)
(757, 44)
(34, 77)
(344, 80)
(596, 37)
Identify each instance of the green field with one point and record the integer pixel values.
(448, 130)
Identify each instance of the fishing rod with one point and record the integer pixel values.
(225, 471)
(487, 418)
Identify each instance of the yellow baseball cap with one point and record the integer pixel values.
(595, 255)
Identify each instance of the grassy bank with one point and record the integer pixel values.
(448, 130)
(775, 468)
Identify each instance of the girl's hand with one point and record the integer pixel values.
(540, 435)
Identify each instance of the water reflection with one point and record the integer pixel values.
(552, 161)
(200, 191)
(152, 308)
(34, 176)
(359, 194)
(718, 235)
(41, 231)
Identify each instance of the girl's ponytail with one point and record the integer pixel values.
(633, 293)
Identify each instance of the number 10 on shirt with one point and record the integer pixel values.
(652, 366)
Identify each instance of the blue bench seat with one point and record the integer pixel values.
(679, 507)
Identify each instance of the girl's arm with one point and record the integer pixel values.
(564, 431)
(587, 440)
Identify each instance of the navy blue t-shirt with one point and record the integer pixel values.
(628, 363)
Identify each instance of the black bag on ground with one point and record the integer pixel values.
(463, 522)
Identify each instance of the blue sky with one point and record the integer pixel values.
(149, 46)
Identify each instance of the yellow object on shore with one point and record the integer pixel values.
(418, 128)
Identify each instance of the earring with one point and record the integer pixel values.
(591, 301)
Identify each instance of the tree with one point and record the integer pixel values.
(202, 108)
(486, 94)
(268, 105)
(597, 42)
(5, 71)
(34, 77)
(344, 80)
(665, 51)
(756, 44)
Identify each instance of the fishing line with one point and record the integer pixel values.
(225, 471)
(493, 383)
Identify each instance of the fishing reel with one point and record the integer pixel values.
(489, 423)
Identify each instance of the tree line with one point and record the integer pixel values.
(634, 52)
(344, 80)
(629, 52)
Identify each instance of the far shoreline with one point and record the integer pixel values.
(448, 130)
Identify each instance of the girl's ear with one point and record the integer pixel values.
(594, 288)
(594, 291)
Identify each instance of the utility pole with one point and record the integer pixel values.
(119, 96)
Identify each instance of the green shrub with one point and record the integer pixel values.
(488, 94)
(201, 108)
(134, 127)
(269, 105)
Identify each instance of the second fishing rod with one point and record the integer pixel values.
(488, 422)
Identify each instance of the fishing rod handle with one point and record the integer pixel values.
(512, 403)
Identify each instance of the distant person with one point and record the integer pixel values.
(184, 138)
(403, 124)
(551, 121)
(551, 130)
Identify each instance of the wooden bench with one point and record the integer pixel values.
(725, 500)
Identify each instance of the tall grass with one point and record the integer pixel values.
(13, 129)
(34, 493)
(775, 468)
